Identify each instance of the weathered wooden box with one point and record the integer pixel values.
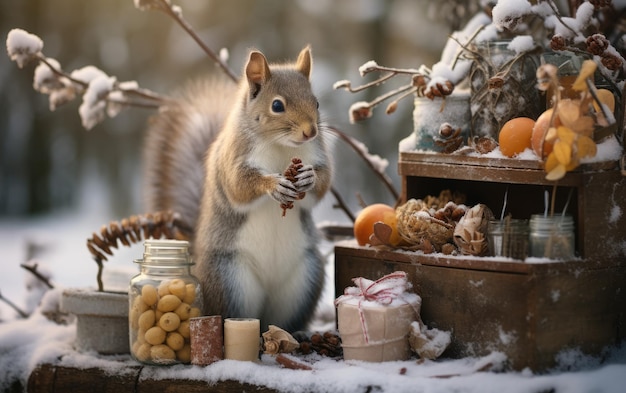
(531, 311)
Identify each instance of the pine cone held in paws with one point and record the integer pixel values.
(290, 173)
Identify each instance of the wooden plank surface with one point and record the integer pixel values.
(48, 378)
(491, 162)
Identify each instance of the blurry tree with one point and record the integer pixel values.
(46, 157)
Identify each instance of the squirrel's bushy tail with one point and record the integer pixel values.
(176, 143)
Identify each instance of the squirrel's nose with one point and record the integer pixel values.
(309, 132)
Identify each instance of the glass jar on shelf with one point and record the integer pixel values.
(508, 238)
(552, 236)
(162, 299)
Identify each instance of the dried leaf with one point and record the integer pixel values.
(573, 164)
(583, 126)
(585, 147)
(586, 71)
(607, 98)
(557, 173)
(565, 135)
(381, 235)
(551, 162)
(563, 152)
(569, 112)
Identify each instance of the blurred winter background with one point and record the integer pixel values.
(59, 183)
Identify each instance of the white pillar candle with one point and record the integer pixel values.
(241, 338)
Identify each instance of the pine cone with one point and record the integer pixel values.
(611, 62)
(290, 173)
(558, 42)
(597, 44)
(131, 230)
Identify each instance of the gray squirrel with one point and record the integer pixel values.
(217, 155)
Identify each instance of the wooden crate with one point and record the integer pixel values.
(529, 311)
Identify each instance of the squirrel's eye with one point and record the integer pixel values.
(278, 106)
(317, 104)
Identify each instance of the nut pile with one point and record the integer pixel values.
(159, 322)
(325, 344)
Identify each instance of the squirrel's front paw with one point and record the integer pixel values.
(305, 179)
(285, 191)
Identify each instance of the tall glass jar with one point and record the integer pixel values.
(162, 299)
(508, 238)
(502, 83)
(552, 236)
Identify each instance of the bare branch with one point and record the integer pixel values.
(167, 8)
(33, 270)
(21, 312)
(381, 175)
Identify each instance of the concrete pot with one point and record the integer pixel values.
(101, 319)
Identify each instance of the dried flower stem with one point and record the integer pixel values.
(395, 71)
(376, 82)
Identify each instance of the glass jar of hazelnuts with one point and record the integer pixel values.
(162, 299)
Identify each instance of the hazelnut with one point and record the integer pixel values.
(149, 295)
(155, 335)
(177, 287)
(190, 293)
(169, 321)
(162, 352)
(175, 341)
(146, 320)
(168, 303)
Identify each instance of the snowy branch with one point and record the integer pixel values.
(102, 95)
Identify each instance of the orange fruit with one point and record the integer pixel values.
(514, 137)
(364, 223)
(541, 127)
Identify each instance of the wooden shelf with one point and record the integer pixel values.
(598, 192)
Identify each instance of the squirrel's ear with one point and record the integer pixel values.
(257, 71)
(305, 62)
